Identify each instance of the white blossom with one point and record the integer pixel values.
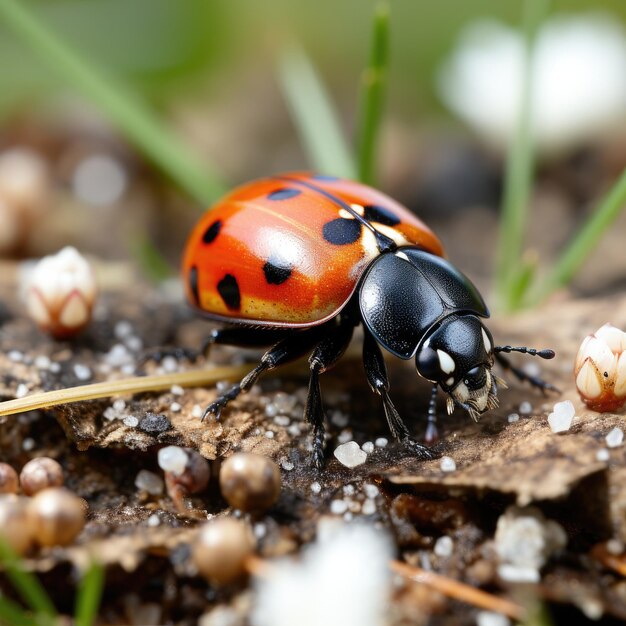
(578, 73)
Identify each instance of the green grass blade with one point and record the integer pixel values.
(519, 169)
(89, 595)
(314, 115)
(149, 259)
(371, 99)
(114, 99)
(12, 614)
(585, 241)
(25, 583)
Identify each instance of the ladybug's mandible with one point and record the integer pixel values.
(297, 261)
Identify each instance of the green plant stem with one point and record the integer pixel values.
(519, 169)
(26, 584)
(371, 98)
(89, 595)
(11, 614)
(585, 241)
(313, 114)
(124, 108)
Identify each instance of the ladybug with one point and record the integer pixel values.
(297, 261)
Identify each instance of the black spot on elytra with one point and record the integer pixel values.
(193, 283)
(276, 273)
(212, 231)
(324, 179)
(228, 288)
(380, 215)
(283, 194)
(341, 231)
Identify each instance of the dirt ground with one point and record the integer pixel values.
(500, 461)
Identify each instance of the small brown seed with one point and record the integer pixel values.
(15, 524)
(221, 549)
(40, 473)
(57, 516)
(250, 482)
(8, 479)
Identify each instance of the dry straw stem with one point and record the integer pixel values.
(139, 384)
(447, 586)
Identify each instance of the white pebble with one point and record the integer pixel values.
(518, 573)
(118, 355)
(368, 447)
(82, 372)
(169, 364)
(562, 415)
(316, 487)
(368, 507)
(172, 459)
(615, 438)
(154, 520)
(271, 410)
(269, 434)
(175, 407)
(381, 442)
(294, 430)
(123, 329)
(282, 420)
(348, 490)
(513, 417)
(447, 464)
(349, 454)
(371, 491)
(130, 420)
(21, 391)
(444, 546)
(525, 408)
(338, 507)
(284, 403)
(42, 362)
(119, 405)
(348, 516)
(345, 436)
(177, 390)
(55, 367)
(16, 356)
(603, 455)
(134, 343)
(222, 386)
(339, 418)
(287, 465)
(260, 530)
(28, 444)
(149, 482)
(196, 411)
(490, 618)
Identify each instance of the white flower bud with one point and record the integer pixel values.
(60, 293)
(600, 369)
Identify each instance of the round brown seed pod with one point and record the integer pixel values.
(57, 516)
(15, 524)
(250, 482)
(40, 473)
(8, 479)
(221, 549)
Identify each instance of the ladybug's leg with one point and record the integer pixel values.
(292, 347)
(327, 352)
(376, 372)
(521, 374)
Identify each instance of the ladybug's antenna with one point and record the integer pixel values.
(543, 354)
(383, 243)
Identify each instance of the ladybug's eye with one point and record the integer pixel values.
(427, 363)
(475, 378)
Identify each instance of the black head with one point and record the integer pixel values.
(458, 356)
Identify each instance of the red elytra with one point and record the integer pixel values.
(288, 250)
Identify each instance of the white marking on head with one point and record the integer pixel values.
(402, 255)
(392, 233)
(446, 362)
(345, 214)
(450, 381)
(486, 341)
(358, 208)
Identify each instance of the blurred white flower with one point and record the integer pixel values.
(600, 369)
(342, 580)
(579, 80)
(60, 293)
